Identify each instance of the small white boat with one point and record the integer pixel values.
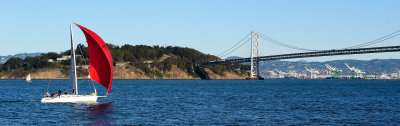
(100, 70)
(28, 78)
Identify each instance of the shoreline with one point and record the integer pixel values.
(211, 79)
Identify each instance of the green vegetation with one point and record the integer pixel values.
(152, 60)
(18, 67)
(183, 58)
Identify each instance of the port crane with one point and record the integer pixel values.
(272, 74)
(384, 76)
(281, 73)
(292, 74)
(356, 73)
(335, 72)
(313, 72)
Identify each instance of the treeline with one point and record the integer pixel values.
(183, 58)
(19, 67)
(141, 56)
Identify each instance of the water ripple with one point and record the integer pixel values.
(209, 102)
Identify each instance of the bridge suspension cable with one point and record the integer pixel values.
(236, 48)
(232, 49)
(381, 39)
(284, 44)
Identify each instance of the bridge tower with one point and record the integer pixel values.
(254, 52)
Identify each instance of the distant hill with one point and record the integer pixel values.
(130, 61)
(376, 66)
(163, 62)
(233, 57)
(4, 59)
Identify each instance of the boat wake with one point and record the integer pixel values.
(15, 101)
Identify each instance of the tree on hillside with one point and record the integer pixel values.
(52, 55)
(13, 64)
(31, 63)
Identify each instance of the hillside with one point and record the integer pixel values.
(4, 59)
(130, 62)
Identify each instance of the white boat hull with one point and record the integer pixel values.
(70, 99)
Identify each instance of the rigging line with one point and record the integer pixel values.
(234, 45)
(84, 59)
(80, 49)
(285, 45)
(48, 86)
(94, 87)
(237, 47)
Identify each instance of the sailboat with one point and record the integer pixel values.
(28, 78)
(100, 69)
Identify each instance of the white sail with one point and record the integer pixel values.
(73, 79)
(28, 78)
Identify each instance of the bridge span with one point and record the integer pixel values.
(255, 57)
(333, 52)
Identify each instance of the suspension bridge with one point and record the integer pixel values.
(255, 58)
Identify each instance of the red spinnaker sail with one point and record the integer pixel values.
(100, 61)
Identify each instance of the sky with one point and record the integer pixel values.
(210, 26)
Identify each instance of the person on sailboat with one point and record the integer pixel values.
(47, 94)
(52, 94)
(59, 93)
(66, 92)
(73, 91)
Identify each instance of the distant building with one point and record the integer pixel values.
(371, 77)
(148, 61)
(122, 64)
(394, 75)
(65, 58)
(50, 60)
(83, 66)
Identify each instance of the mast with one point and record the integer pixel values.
(73, 79)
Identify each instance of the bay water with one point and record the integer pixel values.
(207, 102)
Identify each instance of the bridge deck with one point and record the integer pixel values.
(307, 54)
